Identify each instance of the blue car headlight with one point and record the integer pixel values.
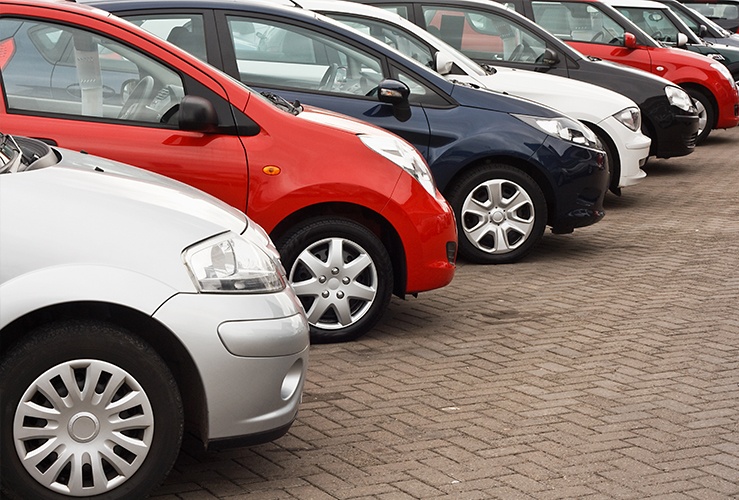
(563, 128)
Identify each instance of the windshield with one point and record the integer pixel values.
(654, 22)
(407, 41)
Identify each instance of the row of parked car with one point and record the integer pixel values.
(297, 164)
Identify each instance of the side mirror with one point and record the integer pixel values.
(548, 57)
(396, 93)
(197, 114)
(682, 39)
(443, 62)
(630, 40)
(702, 30)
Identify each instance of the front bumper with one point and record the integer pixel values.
(579, 180)
(673, 131)
(428, 233)
(251, 353)
(633, 150)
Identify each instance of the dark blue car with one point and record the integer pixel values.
(509, 167)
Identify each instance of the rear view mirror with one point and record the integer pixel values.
(396, 93)
(548, 57)
(443, 62)
(197, 114)
(630, 41)
(682, 39)
(702, 30)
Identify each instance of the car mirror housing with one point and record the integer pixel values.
(549, 57)
(443, 62)
(197, 114)
(702, 30)
(682, 39)
(396, 93)
(630, 40)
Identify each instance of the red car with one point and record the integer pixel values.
(352, 208)
(598, 30)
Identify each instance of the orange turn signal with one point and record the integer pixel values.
(271, 170)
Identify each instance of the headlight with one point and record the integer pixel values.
(563, 128)
(724, 71)
(630, 117)
(678, 98)
(229, 263)
(402, 155)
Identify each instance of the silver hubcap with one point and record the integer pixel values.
(83, 427)
(336, 280)
(702, 116)
(497, 216)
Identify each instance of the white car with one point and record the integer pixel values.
(132, 307)
(614, 118)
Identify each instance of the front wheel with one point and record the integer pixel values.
(706, 114)
(501, 213)
(342, 274)
(88, 410)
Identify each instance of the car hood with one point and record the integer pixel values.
(338, 121)
(90, 212)
(92, 176)
(580, 100)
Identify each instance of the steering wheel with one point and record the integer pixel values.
(657, 35)
(136, 101)
(329, 77)
(517, 51)
(598, 36)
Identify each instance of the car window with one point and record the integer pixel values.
(62, 70)
(184, 30)
(483, 35)
(689, 21)
(272, 53)
(653, 22)
(716, 10)
(577, 21)
(405, 43)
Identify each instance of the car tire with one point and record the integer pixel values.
(501, 213)
(706, 114)
(342, 301)
(88, 410)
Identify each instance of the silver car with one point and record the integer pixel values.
(132, 308)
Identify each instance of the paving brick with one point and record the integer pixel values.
(605, 365)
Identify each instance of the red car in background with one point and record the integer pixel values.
(352, 208)
(598, 30)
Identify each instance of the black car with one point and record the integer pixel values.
(668, 115)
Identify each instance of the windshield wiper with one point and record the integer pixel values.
(291, 107)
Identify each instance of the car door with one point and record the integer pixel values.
(79, 88)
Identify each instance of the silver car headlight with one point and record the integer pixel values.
(724, 71)
(232, 264)
(630, 118)
(403, 155)
(563, 128)
(678, 98)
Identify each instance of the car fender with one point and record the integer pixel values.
(80, 283)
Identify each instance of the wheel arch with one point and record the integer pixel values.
(161, 339)
(688, 86)
(612, 151)
(375, 222)
(539, 177)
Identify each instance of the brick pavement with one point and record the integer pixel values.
(605, 365)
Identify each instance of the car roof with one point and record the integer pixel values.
(645, 4)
